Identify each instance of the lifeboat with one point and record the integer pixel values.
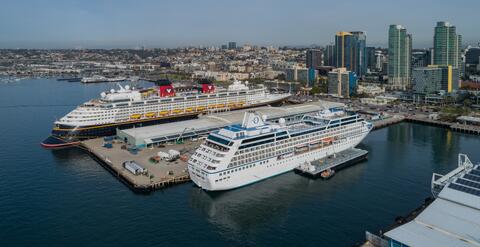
(163, 112)
(176, 111)
(135, 116)
(200, 108)
(211, 106)
(150, 114)
(220, 105)
(189, 109)
(231, 104)
(327, 140)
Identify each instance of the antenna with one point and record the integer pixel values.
(119, 85)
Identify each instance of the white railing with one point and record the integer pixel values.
(439, 181)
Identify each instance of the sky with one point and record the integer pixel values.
(179, 23)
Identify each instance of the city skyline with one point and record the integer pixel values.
(126, 24)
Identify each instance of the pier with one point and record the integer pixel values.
(458, 127)
(335, 162)
(159, 175)
(382, 123)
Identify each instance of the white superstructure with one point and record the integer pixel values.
(127, 105)
(239, 155)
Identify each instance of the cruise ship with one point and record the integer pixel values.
(129, 107)
(246, 153)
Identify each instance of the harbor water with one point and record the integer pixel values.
(64, 198)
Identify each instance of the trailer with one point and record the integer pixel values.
(134, 168)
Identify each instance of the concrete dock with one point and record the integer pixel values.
(159, 175)
(382, 123)
(335, 162)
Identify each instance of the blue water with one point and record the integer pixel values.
(64, 198)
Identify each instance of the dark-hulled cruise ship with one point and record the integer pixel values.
(130, 107)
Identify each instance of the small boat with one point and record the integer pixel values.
(327, 173)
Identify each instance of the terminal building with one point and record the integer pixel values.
(178, 131)
(453, 218)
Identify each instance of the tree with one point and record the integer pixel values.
(315, 90)
(467, 102)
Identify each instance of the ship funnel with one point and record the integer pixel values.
(252, 120)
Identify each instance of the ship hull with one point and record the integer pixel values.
(65, 136)
(272, 167)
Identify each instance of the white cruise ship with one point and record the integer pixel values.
(128, 107)
(239, 155)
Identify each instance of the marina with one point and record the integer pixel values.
(333, 162)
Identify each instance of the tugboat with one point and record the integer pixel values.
(327, 174)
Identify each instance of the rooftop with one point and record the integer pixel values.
(453, 219)
(207, 123)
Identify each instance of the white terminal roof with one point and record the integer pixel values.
(219, 120)
(453, 219)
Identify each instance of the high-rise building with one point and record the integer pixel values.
(472, 55)
(447, 45)
(312, 77)
(472, 60)
(328, 55)
(300, 74)
(314, 58)
(342, 82)
(435, 78)
(350, 52)
(399, 57)
(232, 45)
(371, 59)
(420, 58)
(380, 61)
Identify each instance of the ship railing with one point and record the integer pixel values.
(439, 181)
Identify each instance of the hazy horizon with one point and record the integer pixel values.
(169, 24)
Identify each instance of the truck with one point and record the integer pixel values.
(171, 155)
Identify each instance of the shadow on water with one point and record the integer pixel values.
(268, 202)
(67, 155)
